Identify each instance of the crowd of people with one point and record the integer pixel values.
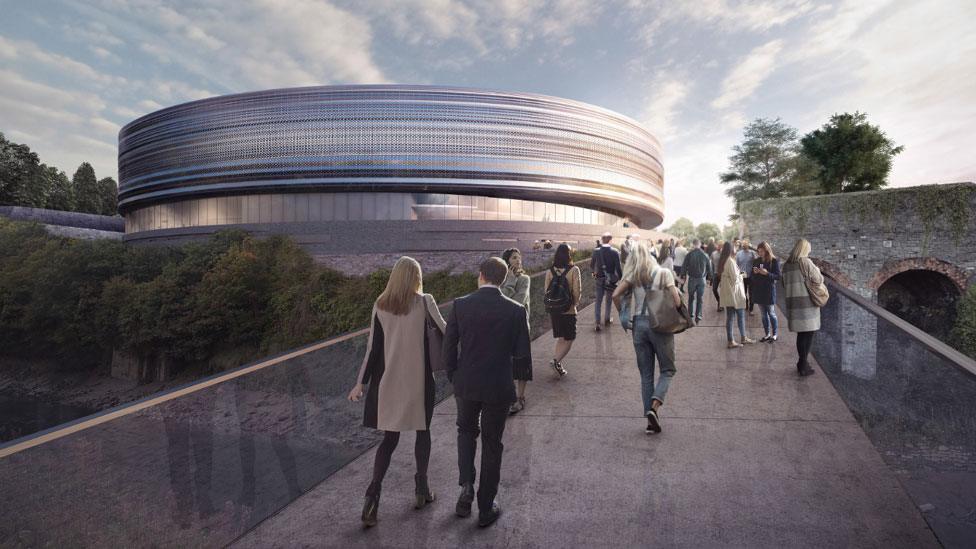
(484, 344)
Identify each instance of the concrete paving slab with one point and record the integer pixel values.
(751, 456)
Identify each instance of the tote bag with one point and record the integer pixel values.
(664, 316)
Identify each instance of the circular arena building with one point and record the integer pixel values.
(378, 171)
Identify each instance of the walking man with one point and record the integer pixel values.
(606, 271)
(697, 268)
(485, 332)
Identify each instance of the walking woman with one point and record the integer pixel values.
(765, 273)
(642, 274)
(398, 371)
(564, 274)
(802, 315)
(665, 259)
(516, 288)
(732, 296)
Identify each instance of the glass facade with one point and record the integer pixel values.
(317, 207)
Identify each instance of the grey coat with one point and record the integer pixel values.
(516, 288)
(801, 313)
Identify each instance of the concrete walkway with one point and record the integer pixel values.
(750, 456)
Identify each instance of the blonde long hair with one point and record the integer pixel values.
(406, 282)
(800, 249)
(640, 264)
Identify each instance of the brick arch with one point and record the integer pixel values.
(895, 266)
(833, 272)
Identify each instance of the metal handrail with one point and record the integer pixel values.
(931, 343)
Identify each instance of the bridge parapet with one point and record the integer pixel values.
(864, 238)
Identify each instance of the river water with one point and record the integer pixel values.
(21, 416)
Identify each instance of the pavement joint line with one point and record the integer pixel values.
(669, 417)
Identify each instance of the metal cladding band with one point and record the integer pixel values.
(394, 139)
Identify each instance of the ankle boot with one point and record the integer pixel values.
(372, 505)
(424, 495)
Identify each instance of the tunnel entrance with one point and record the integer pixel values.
(926, 299)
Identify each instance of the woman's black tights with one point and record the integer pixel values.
(385, 453)
(804, 342)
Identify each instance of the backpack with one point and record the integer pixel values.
(558, 298)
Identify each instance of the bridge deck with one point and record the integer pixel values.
(750, 456)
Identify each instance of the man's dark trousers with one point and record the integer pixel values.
(492, 427)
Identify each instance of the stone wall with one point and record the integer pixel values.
(111, 223)
(863, 239)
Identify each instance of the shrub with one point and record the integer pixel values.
(964, 330)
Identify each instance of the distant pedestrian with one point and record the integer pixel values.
(626, 248)
(744, 259)
(800, 279)
(606, 272)
(697, 269)
(710, 247)
(665, 259)
(733, 297)
(643, 276)
(765, 273)
(679, 260)
(516, 287)
(716, 273)
(563, 290)
(401, 383)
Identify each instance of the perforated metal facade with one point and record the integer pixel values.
(474, 152)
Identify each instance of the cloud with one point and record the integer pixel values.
(29, 52)
(748, 16)
(745, 77)
(661, 106)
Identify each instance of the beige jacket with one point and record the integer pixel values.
(731, 289)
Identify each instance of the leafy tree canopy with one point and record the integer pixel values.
(850, 154)
(681, 228)
(767, 164)
(708, 230)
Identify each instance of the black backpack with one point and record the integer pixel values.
(559, 298)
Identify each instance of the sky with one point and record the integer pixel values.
(694, 73)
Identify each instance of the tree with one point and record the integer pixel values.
(86, 189)
(767, 164)
(708, 230)
(850, 154)
(61, 195)
(108, 196)
(681, 228)
(730, 232)
(21, 181)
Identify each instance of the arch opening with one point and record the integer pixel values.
(926, 299)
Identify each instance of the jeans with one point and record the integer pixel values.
(738, 314)
(492, 426)
(696, 291)
(603, 297)
(768, 314)
(649, 345)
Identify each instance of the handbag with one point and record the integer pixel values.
(664, 316)
(435, 341)
(817, 290)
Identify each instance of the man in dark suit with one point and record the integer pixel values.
(606, 271)
(489, 329)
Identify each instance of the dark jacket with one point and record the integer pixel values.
(609, 257)
(485, 330)
(763, 287)
(697, 264)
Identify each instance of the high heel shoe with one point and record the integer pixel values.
(424, 495)
(372, 505)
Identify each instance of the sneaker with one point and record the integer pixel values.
(772, 339)
(598, 327)
(609, 321)
(747, 341)
(557, 367)
(653, 424)
(516, 407)
(733, 345)
(764, 338)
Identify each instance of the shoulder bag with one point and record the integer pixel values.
(660, 310)
(817, 290)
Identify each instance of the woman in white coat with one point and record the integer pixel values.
(732, 296)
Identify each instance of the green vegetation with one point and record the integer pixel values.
(25, 181)
(205, 306)
(963, 335)
(939, 207)
(850, 154)
(847, 154)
